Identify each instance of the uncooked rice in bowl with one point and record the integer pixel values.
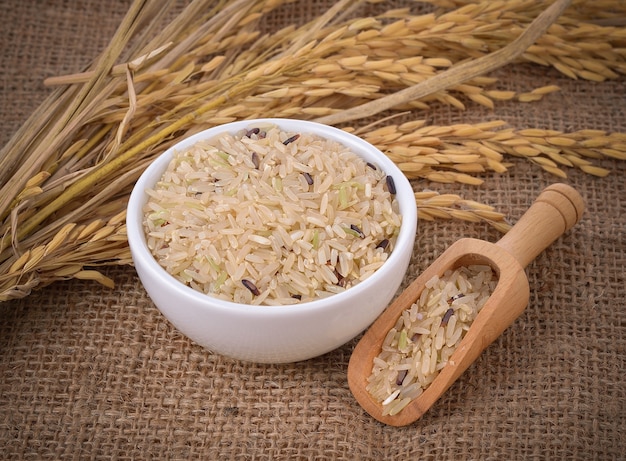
(270, 217)
(427, 334)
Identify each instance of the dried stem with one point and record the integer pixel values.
(66, 174)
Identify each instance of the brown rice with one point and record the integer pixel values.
(427, 334)
(271, 217)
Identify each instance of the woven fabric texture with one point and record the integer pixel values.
(92, 373)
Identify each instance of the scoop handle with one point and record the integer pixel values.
(553, 212)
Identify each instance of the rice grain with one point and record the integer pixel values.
(427, 334)
(265, 216)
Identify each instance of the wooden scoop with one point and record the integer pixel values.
(554, 212)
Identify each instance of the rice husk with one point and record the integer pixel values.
(270, 217)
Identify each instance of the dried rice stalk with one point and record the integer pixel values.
(584, 42)
(215, 63)
(432, 205)
(459, 73)
(428, 152)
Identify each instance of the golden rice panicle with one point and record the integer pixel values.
(64, 256)
(432, 152)
(584, 43)
(216, 63)
(432, 205)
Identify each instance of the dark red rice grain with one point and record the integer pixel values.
(383, 244)
(446, 317)
(401, 375)
(356, 229)
(391, 185)
(291, 139)
(251, 286)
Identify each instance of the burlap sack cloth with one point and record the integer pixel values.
(87, 372)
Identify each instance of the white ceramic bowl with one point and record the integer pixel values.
(273, 334)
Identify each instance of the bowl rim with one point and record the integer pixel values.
(138, 197)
